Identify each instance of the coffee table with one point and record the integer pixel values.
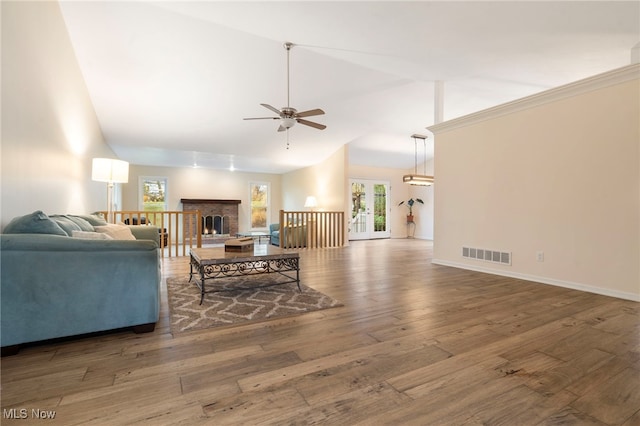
(215, 263)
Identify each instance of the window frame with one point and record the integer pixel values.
(267, 206)
(142, 180)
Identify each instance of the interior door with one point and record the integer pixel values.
(369, 209)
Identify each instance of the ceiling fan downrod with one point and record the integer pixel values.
(288, 45)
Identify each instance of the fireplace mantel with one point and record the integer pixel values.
(206, 201)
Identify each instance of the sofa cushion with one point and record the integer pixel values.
(34, 223)
(91, 235)
(117, 232)
(82, 223)
(95, 219)
(65, 223)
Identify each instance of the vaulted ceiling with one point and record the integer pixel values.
(172, 81)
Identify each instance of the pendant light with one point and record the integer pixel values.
(415, 178)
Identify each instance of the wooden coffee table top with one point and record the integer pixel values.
(218, 255)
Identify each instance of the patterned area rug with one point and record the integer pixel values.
(242, 303)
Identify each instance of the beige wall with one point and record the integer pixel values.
(204, 183)
(49, 129)
(561, 177)
(402, 192)
(325, 181)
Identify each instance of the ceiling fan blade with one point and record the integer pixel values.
(282, 128)
(267, 106)
(262, 118)
(311, 124)
(310, 113)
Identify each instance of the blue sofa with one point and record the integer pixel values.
(55, 285)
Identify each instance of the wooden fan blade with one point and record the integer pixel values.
(262, 118)
(311, 124)
(267, 106)
(310, 113)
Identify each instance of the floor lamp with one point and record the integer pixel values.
(111, 171)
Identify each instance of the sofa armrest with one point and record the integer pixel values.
(146, 232)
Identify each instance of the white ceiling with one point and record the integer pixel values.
(172, 81)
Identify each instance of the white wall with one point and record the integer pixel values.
(557, 173)
(49, 129)
(206, 184)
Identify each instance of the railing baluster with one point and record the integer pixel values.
(304, 229)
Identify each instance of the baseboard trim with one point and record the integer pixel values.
(543, 280)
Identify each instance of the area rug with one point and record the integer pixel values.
(241, 303)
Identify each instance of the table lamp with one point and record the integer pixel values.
(311, 202)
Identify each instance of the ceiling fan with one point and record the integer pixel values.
(289, 116)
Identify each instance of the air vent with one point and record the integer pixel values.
(486, 255)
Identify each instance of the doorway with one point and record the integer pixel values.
(369, 209)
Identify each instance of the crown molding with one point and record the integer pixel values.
(599, 81)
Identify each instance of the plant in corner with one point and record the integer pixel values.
(410, 204)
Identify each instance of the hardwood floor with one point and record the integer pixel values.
(414, 343)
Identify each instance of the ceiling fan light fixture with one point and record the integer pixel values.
(288, 122)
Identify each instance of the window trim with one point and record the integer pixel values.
(141, 180)
(268, 206)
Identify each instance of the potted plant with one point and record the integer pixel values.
(410, 204)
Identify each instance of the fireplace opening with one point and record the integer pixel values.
(218, 218)
(215, 225)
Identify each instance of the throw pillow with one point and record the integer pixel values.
(117, 232)
(82, 223)
(90, 235)
(34, 223)
(95, 219)
(65, 223)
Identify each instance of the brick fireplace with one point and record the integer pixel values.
(219, 217)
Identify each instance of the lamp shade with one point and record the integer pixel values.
(311, 202)
(110, 170)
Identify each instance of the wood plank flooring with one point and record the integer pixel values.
(414, 343)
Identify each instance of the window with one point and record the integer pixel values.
(379, 207)
(259, 205)
(154, 193)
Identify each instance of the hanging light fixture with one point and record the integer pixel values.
(415, 178)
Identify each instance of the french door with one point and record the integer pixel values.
(369, 209)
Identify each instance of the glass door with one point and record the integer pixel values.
(369, 210)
